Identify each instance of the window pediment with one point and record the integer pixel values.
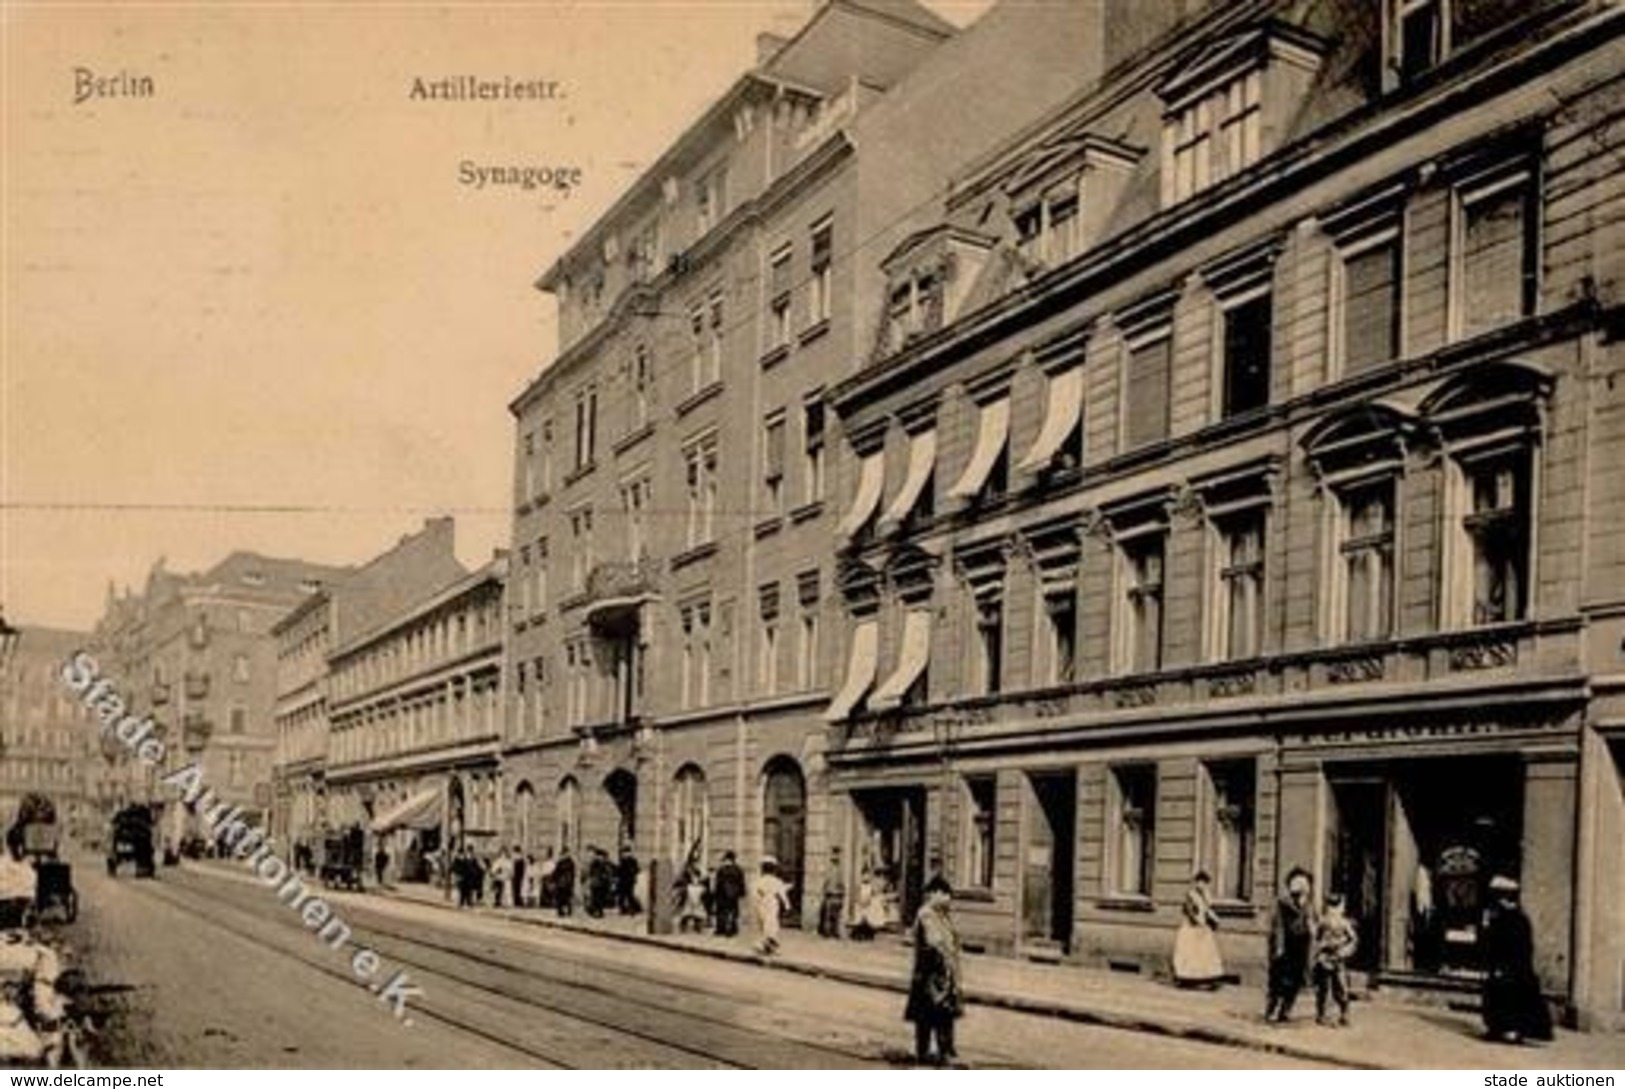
(1215, 63)
(1061, 161)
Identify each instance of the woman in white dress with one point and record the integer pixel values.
(1196, 950)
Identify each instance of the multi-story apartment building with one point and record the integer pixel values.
(415, 706)
(196, 652)
(1230, 487)
(48, 740)
(418, 566)
(672, 584)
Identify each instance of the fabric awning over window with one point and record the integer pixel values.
(871, 479)
(861, 666)
(991, 433)
(420, 811)
(1061, 417)
(911, 662)
(922, 457)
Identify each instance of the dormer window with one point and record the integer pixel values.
(914, 308)
(1228, 106)
(1061, 192)
(1417, 37)
(1047, 232)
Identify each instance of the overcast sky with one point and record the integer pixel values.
(256, 309)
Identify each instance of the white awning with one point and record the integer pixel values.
(911, 662)
(922, 457)
(871, 479)
(1061, 417)
(861, 666)
(991, 434)
(412, 813)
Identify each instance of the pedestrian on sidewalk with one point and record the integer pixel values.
(772, 898)
(1196, 950)
(832, 898)
(564, 883)
(501, 877)
(1292, 931)
(519, 867)
(600, 882)
(691, 895)
(935, 997)
(1335, 943)
(727, 890)
(869, 910)
(380, 865)
(626, 882)
(1514, 1008)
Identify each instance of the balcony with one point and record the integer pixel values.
(195, 733)
(1444, 672)
(615, 593)
(197, 686)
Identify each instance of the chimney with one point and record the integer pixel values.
(768, 46)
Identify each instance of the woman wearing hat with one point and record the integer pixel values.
(934, 1000)
(1514, 1009)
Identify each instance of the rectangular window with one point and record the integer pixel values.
(1497, 528)
(1240, 602)
(642, 382)
(807, 594)
(1228, 843)
(812, 459)
(545, 472)
(1247, 326)
(1146, 409)
(981, 822)
(711, 198)
(823, 260)
(713, 354)
(700, 460)
(1370, 304)
(1498, 260)
(778, 306)
(1141, 648)
(527, 468)
(697, 347)
(767, 647)
(989, 645)
(1134, 814)
(586, 420)
(773, 431)
(581, 554)
(636, 503)
(1418, 40)
(1241, 130)
(1060, 631)
(1366, 561)
(239, 720)
(239, 668)
(696, 679)
(540, 596)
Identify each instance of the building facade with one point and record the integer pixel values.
(1228, 487)
(672, 597)
(48, 740)
(415, 708)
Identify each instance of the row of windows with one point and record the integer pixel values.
(470, 710)
(1225, 836)
(439, 639)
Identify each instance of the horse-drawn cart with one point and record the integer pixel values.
(40, 835)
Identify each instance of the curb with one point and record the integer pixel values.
(1080, 1014)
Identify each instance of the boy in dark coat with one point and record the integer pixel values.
(935, 988)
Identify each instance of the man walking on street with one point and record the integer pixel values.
(518, 868)
(626, 882)
(564, 883)
(1292, 930)
(727, 889)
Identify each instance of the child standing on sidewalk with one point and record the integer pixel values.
(1335, 942)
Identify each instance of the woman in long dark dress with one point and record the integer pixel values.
(1514, 1008)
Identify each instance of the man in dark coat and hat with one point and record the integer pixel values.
(727, 889)
(1514, 1009)
(564, 883)
(1292, 932)
(935, 998)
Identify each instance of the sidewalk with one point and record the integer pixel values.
(1383, 1035)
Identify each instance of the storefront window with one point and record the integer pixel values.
(1135, 816)
(981, 815)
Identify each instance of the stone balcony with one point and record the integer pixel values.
(616, 591)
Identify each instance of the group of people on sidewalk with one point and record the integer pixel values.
(518, 879)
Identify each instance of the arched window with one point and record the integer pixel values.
(691, 817)
(524, 807)
(567, 815)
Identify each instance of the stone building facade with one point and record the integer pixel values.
(1229, 487)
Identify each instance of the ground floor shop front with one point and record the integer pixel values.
(418, 817)
(1059, 848)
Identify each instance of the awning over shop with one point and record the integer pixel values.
(911, 662)
(991, 434)
(420, 811)
(1062, 414)
(922, 457)
(861, 666)
(871, 479)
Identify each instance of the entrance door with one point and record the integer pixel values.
(893, 849)
(1047, 887)
(622, 788)
(784, 827)
(1358, 849)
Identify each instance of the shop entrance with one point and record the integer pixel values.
(891, 850)
(1413, 845)
(1046, 874)
(784, 827)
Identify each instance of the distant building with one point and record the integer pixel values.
(49, 742)
(1231, 484)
